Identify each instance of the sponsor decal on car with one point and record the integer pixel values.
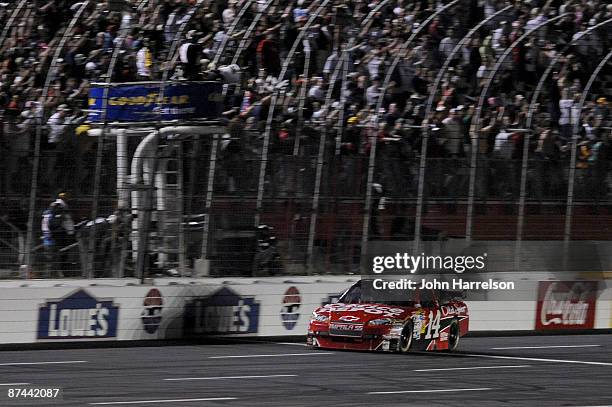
(383, 310)
(349, 318)
(151, 315)
(452, 310)
(223, 312)
(419, 325)
(339, 329)
(78, 315)
(290, 311)
(566, 305)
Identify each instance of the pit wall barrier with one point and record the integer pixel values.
(36, 311)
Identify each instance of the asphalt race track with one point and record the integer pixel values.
(502, 371)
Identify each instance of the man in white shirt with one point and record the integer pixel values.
(374, 63)
(453, 134)
(502, 150)
(447, 44)
(484, 71)
(569, 114)
(373, 92)
(316, 92)
(56, 124)
(537, 18)
(144, 61)
(331, 62)
(229, 13)
(503, 145)
(498, 33)
(190, 54)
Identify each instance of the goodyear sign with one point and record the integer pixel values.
(135, 102)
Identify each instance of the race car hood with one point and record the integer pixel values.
(362, 313)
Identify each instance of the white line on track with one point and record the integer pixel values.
(430, 391)
(14, 384)
(577, 362)
(290, 343)
(271, 355)
(61, 362)
(472, 368)
(546, 347)
(230, 377)
(109, 403)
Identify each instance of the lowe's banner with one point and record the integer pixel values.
(140, 102)
(223, 312)
(79, 315)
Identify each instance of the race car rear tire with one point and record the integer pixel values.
(405, 341)
(453, 336)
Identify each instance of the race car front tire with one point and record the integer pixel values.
(405, 341)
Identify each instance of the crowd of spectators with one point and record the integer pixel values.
(333, 85)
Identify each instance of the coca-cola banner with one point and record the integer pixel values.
(566, 305)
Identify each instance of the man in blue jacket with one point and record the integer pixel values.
(58, 232)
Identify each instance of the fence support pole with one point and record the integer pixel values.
(209, 196)
(522, 197)
(368, 198)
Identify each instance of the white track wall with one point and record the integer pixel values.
(169, 309)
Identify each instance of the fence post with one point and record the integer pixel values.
(209, 196)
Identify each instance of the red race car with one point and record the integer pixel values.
(421, 322)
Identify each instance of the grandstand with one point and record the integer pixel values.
(341, 125)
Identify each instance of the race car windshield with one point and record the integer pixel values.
(357, 295)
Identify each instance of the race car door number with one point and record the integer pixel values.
(433, 324)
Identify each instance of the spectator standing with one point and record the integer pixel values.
(144, 61)
(56, 127)
(190, 53)
(373, 92)
(570, 114)
(58, 232)
(229, 13)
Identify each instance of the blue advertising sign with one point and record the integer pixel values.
(140, 102)
(78, 316)
(224, 312)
